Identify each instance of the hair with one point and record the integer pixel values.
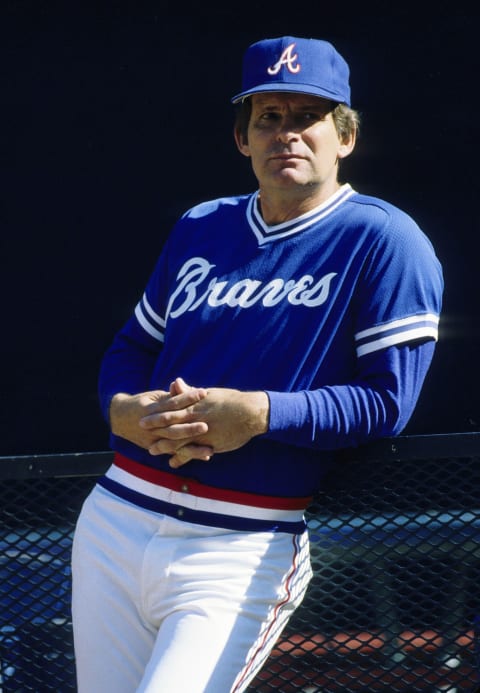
(346, 119)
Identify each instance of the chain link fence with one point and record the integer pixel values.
(394, 604)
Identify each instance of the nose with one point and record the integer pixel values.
(287, 132)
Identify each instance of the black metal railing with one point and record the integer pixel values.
(394, 604)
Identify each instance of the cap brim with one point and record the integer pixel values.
(293, 89)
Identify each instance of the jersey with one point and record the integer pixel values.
(334, 314)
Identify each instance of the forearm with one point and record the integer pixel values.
(331, 417)
(379, 403)
(126, 368)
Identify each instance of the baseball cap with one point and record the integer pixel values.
(290, 64)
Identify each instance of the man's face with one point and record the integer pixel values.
(292, 141)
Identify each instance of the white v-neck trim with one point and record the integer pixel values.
(265, 233)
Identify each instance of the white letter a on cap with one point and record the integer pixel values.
(286, 59)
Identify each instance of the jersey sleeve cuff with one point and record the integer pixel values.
(289, 411)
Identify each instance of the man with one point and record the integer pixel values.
(276, 327)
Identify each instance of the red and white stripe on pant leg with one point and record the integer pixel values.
(294, 589)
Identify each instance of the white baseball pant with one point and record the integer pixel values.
(165, 606)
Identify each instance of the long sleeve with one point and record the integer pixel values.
(127, 365)
(379, 402)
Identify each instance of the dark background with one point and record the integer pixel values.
(115, 118)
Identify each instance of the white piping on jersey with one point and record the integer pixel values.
(265, 233)
(152, 313)
(428, 317)
(156, 334)
(398, 338)
(423, 327)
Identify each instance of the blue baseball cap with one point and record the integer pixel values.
(299, 65)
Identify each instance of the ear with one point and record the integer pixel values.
(241, 142)
(347, 145)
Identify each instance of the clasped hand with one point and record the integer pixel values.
(188, 422)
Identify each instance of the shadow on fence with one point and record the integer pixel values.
(394, 604)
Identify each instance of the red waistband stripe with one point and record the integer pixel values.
(188, 493)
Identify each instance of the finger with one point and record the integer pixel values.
(181, 386)
(173, 411)
(184, 431)
(170, 419)
(167, 418)
(184, 399)
(162, 445)
(190, 452)
(160, 400)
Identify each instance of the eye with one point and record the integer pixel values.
(266, 119)
(313, 116)
(269, 115)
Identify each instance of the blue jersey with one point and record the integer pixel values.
(334, 314)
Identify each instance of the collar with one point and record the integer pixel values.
(266, 233)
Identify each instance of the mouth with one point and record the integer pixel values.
(286, 156)
(289, 158)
